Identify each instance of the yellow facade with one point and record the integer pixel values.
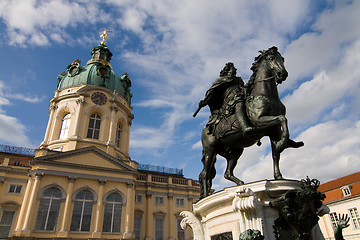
(72, 172)
(81, 183)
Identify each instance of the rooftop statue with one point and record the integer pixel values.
(242, 114)
(104, 36)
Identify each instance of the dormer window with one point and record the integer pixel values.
(346, 190)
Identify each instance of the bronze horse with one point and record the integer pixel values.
(266, 114)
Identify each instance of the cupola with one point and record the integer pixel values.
(91, 107)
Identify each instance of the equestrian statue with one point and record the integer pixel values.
(242, 114)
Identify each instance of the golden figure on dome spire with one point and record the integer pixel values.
(104, 36)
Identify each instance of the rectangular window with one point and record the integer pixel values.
(15, 189)
(333, 219)
(159, 229)
(355, 218)
(180, 202)
(159, 200)
(346, 191)
(5, 223)
(138, 198)
(180, 231)
(137, 227)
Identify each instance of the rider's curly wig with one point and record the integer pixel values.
(226, 69)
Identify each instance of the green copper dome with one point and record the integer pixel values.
(98, 72)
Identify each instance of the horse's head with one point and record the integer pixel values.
(273, 63)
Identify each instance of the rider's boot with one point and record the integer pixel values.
(243, 120)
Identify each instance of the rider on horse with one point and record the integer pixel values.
(215, 100)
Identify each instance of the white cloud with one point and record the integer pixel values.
(13, 132)
(35, 22)
(322, 48)
(324, 92)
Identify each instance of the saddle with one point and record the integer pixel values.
(226, 122)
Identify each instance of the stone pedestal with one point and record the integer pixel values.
(228, 213)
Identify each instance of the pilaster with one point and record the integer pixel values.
(25, 231)
(65, 220)
(24, 205)
(149, 220)
(99, 212)
(129, 223)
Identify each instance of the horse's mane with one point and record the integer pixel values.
(250, 84)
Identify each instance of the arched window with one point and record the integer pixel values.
(82, 212)
(64, 131)
(118, 134)
(94, 126)
(112, 213)
(49, 208)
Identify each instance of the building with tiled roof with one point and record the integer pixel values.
(342, 197)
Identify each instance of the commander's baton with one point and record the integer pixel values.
(197, 111)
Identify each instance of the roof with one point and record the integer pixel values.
(97, 72)
(337, 183)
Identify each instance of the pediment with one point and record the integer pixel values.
(86, 158)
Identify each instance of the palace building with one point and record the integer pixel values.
(81, 182)
(342, 198)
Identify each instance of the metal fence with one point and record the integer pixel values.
(17, 150)
(159, 169)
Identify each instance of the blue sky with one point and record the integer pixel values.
(173, 51)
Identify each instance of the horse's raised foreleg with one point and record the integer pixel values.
(232, 157)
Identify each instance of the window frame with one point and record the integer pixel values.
(178, 202)
(161, 230)
(355, 217)
(84, 201)
(118, 135)
(113, 204)
(137, 231)
(179, 229)
(159, 200)
(138, 198)
(53, 200)
(93, 131)
(65, 126)
(346, 190)
(333, 218)
(16, 187)
(8, 224)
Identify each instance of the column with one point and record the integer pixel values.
(112, 126)
(129, 219)
(51, 122)
(24, 204)
(99, 212)
(80, 102)
(30, 208)
(149, 216)
(171, 221)
(65, 220)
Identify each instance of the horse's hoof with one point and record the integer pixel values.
(239, 183)
(294, 144)
(279, 177)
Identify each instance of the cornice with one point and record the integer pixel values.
(20, 171)
(81, 175)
